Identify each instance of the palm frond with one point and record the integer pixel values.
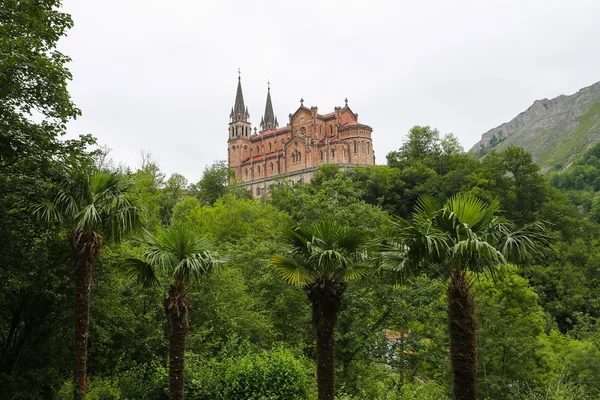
(291, 271)
(181, 253)
(142, 271)
(322, 250)
(401, 261)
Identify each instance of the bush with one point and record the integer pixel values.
(273, 375)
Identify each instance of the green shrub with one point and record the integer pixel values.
(272, 375)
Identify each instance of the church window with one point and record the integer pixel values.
(330, 129)
(272, 168)
(333, 153)
(354, 147)
(299, 157)
(236, 130)
(269, 146)
(258, 169)
(344, 153)
(246, 172)
(321, 156)
(368, 148)
(363, 147)
(293, 157)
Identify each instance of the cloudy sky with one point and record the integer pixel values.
(160, 76)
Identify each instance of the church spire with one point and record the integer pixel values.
(268, 121)
(240, 112)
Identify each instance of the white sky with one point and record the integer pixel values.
(161, 75)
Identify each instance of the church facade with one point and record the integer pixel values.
(295, 151)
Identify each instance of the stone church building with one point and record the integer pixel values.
(295, 151)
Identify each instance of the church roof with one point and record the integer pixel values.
(268, 133)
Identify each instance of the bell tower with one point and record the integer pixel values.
(240, 131)
(239, 127)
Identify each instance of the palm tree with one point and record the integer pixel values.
(91, 204)
(321, 258)
(462, 239)
(177, 256)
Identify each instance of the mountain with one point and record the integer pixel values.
(554, 131)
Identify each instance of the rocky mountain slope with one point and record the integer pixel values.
(554, 131)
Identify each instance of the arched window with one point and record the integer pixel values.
(354, 147)
(321, 155)
(330, 129)
(333, 153)
(299, 156)
(368, 148)
(272, 168)
(246, 172)
(258, 170)
(344, 153)
(270, 146)
(363, 147)
(293, 157)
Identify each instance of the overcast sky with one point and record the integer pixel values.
(161, 76)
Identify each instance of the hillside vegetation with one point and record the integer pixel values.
(554, 131)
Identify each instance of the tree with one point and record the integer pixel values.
(422, 142)
(179, 255)
(213, 184)
(322, 258)
(33, 81)
(462, 238)
(91, 204)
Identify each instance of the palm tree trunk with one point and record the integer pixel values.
(462, 327)
(177, 308)
(326, 302)
(325, 360)
(86, 246)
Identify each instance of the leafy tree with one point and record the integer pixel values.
(172, 192)
(511, 328)
(178, 255)
(213, 183)
(33, 81)
(463, 238)
(322, 258)
(520, 187)
(422, 141)
(91, 204)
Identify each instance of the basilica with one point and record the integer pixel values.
(260, 158)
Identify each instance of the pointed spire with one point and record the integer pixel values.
(268, 120)
(240, 112)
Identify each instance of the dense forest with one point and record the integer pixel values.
(155, 262)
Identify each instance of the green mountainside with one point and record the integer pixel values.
(554, 131)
